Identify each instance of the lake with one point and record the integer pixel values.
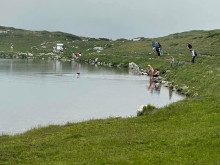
(37, 93)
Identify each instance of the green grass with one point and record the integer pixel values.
(185, 132)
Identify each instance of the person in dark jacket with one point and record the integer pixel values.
(158, 49)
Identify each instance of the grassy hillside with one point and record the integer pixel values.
(24, 40)
(205, 42)
(186, 132)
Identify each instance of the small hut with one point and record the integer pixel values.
(59, 47)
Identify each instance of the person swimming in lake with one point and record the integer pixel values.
(77, 74)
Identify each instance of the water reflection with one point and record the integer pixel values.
(155, 88)
(170, 94)
(57, 66)
(33, 65)
(36, 92)
(75, 66)
(150, 87)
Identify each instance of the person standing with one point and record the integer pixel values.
(158, 50)
(160, 46)
(193, 55)
(171, 62)
(12, 47)
(151, 70)
(153, 45)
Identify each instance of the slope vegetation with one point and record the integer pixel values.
(186, 132)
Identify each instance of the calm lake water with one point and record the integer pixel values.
(37, 93)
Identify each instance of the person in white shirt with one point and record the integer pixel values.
(193, 56)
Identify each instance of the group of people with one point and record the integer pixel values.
(158, 47)
(151, 71)
(77, 54)
(152, 74)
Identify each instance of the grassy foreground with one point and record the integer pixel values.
(186, 132)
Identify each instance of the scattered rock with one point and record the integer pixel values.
(158, 79)
(180, 63)
(185, 87)
(140, 110)
(166, 85)
(195, 94)
(135, 68)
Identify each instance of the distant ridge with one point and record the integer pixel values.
(206, 42)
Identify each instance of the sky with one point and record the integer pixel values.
(112, 18)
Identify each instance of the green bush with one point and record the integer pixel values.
(148, 109)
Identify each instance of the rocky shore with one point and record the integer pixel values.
(184, 90)
(134, 68)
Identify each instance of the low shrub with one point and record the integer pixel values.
(149, 109)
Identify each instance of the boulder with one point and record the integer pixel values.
(166, 85)
(140, 110)
(185, 87)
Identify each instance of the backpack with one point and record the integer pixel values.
(163, 72)
(161, 53)
(159, 45)
(195, 53)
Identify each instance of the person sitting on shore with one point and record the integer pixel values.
(157, 73)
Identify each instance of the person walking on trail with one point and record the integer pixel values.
(171, 62)
(151, 70)
(193, 54)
